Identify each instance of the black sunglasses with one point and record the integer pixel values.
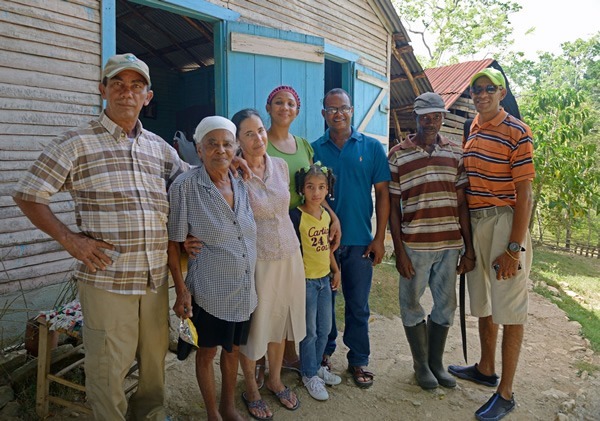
(490, 89)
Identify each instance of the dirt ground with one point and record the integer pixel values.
(549, 384)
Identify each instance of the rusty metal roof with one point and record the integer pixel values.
(452, 81)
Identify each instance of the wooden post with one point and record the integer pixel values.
(397, 128)
(43, 368)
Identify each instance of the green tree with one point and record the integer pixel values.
(558, 99)
(455, 29)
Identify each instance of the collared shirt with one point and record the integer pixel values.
(497, 154)
(357, 166)
(427, 186)
(120, 192)
(270, 199)
(221, 277)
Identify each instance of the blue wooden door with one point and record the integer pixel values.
(251, 60)
(370, 93)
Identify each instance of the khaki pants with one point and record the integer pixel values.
(119, 329)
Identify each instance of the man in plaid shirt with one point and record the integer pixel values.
(117, 173)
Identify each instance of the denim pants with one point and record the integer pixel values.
(357, 274)
(438, 270)
(318, 324)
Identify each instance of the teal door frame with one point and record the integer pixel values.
(251, 60)
(198, 9)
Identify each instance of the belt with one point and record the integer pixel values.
(484, 213)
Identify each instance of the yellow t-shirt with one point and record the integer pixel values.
(314, 237)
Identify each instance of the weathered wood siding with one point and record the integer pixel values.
(49, 71)
(349, 24)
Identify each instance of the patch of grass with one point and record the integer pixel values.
(26, 395)
(585, 366)
(576, 279)
(384, 294)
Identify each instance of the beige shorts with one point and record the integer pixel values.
(505, 300)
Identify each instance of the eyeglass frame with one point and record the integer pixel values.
(489, 89)
(335, 110)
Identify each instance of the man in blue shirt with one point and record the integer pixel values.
(359, 162)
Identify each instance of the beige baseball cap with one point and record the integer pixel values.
(128, 61)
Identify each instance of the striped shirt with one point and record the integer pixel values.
(427, 185)
(119, 187)
(498, 154)
(221, 277)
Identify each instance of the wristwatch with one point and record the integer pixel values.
(514, 247)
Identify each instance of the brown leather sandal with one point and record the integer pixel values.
(362, 378)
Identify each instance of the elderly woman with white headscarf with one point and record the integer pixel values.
(219, 293)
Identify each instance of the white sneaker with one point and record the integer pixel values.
(328, 377)
(316, 387)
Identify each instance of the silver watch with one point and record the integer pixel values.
(514, 247)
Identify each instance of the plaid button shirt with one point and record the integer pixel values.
(221, 277)
(119, 188)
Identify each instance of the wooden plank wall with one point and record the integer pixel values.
(49, 72)
(348, 24)
(453, 122)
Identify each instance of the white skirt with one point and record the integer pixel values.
(281, 311)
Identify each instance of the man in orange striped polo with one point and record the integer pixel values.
(498, 158)
(429, 219)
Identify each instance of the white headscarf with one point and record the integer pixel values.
(208, 124)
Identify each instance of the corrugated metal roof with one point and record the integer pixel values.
(163, 39)
(407, 81)
(451, 81)
(393, 20)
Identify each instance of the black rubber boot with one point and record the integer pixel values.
(417, 339)
(437, 335)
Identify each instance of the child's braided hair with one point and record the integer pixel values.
(315, 169)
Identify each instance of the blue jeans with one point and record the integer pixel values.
(357, 274)
(318, 324)
(438, 270)
(332, 337)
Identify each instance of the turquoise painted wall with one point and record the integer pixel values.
(250, 78)
(364, 96)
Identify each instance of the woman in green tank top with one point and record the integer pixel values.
(283, 106)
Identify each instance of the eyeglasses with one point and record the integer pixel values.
(490, 89)
(334, 110)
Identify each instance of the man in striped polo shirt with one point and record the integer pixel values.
(498, 157)
(430, 225)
